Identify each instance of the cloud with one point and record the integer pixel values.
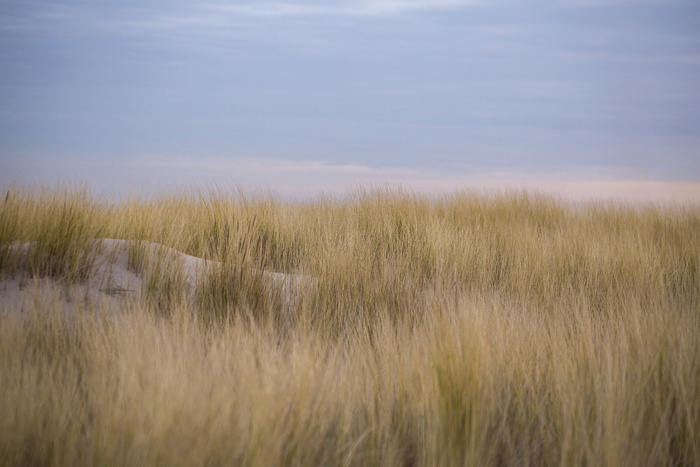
(293, 179)
(259, 166)
(342, 8)
(305, 179)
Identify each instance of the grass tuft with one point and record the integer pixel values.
(464, 329)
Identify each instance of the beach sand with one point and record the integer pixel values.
(113, 283)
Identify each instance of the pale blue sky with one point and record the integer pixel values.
(304, 96)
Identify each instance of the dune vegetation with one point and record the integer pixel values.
(460, 329)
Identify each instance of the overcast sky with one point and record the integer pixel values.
(302, 96)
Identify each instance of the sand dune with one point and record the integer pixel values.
(114, 283)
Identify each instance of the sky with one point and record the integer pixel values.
(578, 97)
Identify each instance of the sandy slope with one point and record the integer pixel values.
(114, 284)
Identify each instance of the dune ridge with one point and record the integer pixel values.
(114, 281)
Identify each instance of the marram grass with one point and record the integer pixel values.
(459, 330)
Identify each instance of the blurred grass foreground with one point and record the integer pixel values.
(456, 330)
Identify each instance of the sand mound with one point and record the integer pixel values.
(114, 282)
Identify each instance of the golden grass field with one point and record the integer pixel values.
(463, 329)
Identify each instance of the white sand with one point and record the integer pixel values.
(113, 284)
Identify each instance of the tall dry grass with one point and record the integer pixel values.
(459, 330)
